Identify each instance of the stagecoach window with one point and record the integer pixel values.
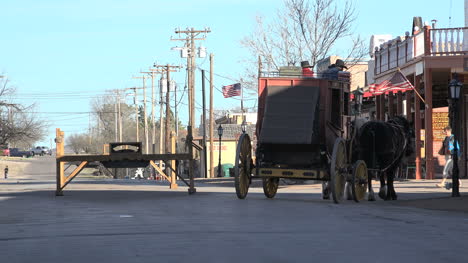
(335, 107)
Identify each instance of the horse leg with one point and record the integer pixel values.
(383, 188)
(391, 189)
(371, 195)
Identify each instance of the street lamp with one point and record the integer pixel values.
(244, 126)
(454, 93)
(358, 94)
(220, 133)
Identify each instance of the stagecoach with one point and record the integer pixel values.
(303, 132)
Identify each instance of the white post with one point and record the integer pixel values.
(465, 33)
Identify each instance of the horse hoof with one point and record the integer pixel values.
(394, 197)
(325, 195)
(383, 193)
(371, 198)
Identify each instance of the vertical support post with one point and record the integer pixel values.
(427, 43)
(192, 68)
(382, 107)
(59, 178)
(377, 107)
(417, 127)
(453, 115)
(161, 119)
(116, 117)
(205, 161)
(153, 123)
(168, 111)
(391, 106)
(119, 116)
(59, 135)
(105, 149)
(192, 188)
(60, 148)
(428, 123)
(145, 117)
(409, 104)
(399, 108)
(211, 118)
(173, 163)
(137, 124)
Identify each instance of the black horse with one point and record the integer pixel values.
(383, 146)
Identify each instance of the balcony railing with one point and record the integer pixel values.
(398, 52)
(430, 42)
(448, 40)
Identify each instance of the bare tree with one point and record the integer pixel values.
(80, 143)
(18, 123)
(304, 30)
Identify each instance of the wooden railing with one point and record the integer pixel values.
(429, 42)
(448, 41)
(398, 52)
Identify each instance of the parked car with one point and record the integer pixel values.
(15, 152)
(41, 150)
(4, 150)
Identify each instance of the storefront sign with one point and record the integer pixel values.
(439, 122)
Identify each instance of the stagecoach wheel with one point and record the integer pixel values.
(338, 170)
(242, 166)
(359, 180)
(270, 186)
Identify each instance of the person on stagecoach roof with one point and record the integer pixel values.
(306, 69)
(333, 69)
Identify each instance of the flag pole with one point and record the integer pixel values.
(242, 102)
(415, 91)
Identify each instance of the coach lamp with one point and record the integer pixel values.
(358, 94)
(454, 89)
(454, 95)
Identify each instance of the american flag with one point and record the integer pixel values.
(232, 90)
(398, 82)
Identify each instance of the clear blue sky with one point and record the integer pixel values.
(60, 54)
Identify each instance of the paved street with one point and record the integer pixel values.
(144, 221)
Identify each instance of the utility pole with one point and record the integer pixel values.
(167, 69)
(211, 117)
(135, 102)
(161, 118)
(145, 119)
(191, 35)
(205, 162)
(116, 122)
(120, 116)
(152, 73)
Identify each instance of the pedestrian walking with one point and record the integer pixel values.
(6, 171)
(447, 151)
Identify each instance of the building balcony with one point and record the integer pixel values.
(428, 42)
